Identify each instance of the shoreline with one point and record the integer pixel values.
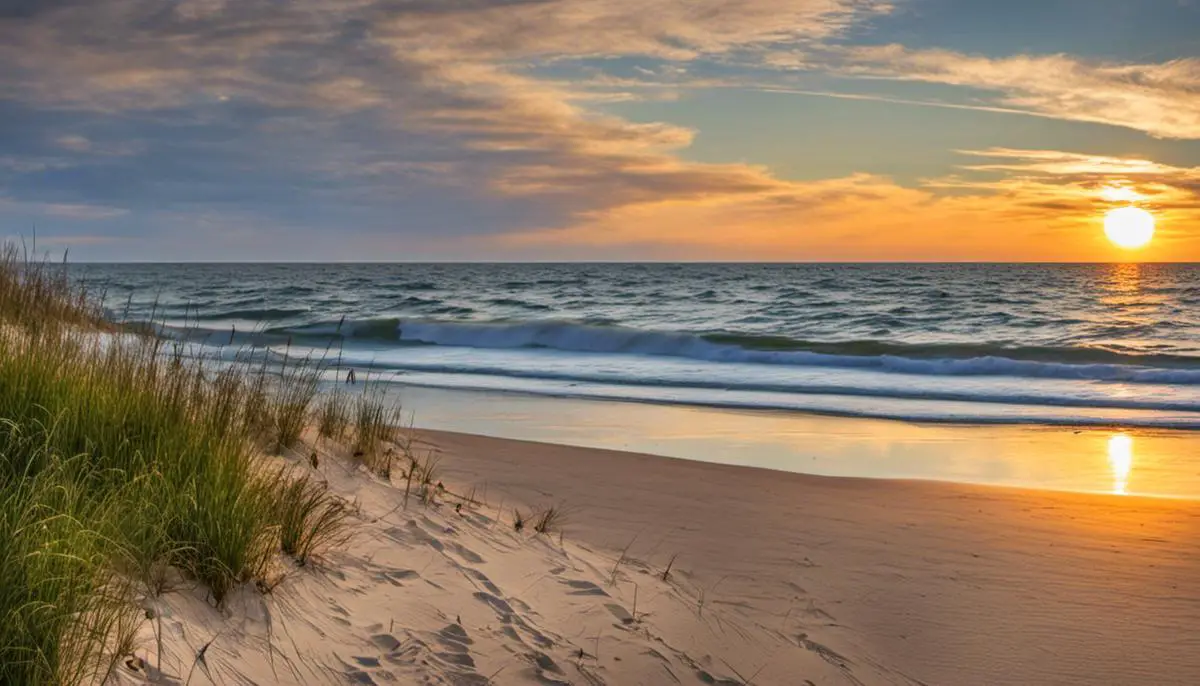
(1148, 462)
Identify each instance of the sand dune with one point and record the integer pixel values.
(777, 579)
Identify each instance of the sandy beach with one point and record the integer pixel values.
(775, 578)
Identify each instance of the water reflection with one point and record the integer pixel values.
(1120, 459)
(1125, 278)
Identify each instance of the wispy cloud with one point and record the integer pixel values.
(1162, 99)
(67, 210)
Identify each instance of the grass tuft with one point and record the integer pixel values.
(333, 415)
(310, 518)
(290, 403)
(376, 423)
(550, 520)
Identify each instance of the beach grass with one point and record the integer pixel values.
(310, 518)
(120, 459)
(333, 416)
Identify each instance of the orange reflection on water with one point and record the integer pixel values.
(1120, 459)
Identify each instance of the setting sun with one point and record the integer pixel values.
(1129, 227)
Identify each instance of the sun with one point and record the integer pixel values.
(1129, 227)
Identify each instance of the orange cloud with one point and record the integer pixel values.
(1162, 99)
(1049, 209)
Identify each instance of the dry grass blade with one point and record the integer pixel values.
(616, 570)
(550, 520)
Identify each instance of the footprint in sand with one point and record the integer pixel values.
(502, 608)
(455, 641)
(466, 553)
(583, 587)
(359, 674)
(620, 613)
(483, 579)
(710, 679)
(396, 577)
(386, 642)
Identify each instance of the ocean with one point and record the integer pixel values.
(1068, 345)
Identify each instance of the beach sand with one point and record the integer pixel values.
(777, 578)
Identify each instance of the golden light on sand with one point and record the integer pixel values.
(1129, 227)
(1120, 460)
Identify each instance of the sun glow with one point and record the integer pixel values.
(1129, 227)
(1120, 460)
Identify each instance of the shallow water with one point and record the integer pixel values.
(1127, 462)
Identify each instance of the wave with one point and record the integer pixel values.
(254, 315)
(1059, 397)
(936, 359)
(957, 359)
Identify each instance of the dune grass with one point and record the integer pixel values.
(34, 295)
(120, 459)
(376, 421)
(549, 520)
(310, 517)
(333, 416)
(290, 404)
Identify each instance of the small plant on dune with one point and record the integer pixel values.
(229, 517)
(550, 520)
(702, 594)
(430, 484)
(333, 415)
(310, 517)
(376, 421)
(518, 520)
(256, 419)
(622, 559)
(147, 550)
(289, 403)
(671, 563)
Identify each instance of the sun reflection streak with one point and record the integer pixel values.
(1120, 459)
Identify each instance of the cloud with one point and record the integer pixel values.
(854, 218)
(1045, 205)
(67, 210)
(363, 104)
(264, 126)
(1162, 99)
(1086, 182)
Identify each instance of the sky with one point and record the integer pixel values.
(796, 130)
